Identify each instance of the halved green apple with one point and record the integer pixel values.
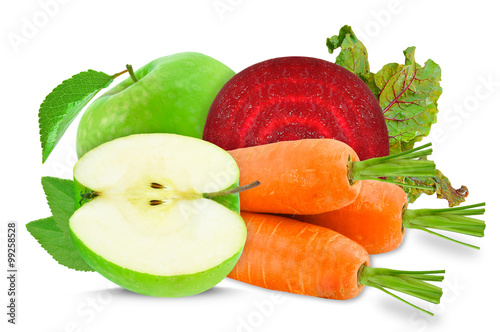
(145, 221)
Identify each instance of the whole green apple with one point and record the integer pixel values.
(172, 94)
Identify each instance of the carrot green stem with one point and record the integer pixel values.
(450, 219)
(409, 282)
(405, 163)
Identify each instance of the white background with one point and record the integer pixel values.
(106, 35)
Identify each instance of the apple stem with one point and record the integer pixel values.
(232, 190)
(118, 74)
(132, 73)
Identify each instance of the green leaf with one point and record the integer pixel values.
(60, 197)
(440, 185)
(63, 104)
(57, 243)
(53, 233)
(353, 54)
(408, 97)
(370, 81)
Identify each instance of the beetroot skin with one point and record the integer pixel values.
(293, 98)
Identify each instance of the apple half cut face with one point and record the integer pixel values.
(147, 225)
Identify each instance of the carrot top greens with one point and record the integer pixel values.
(450, 219)
(409, 282)
(405, 163)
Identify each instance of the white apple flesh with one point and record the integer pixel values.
(149, 228)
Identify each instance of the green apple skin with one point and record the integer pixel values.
(154, 285)
(172, 95)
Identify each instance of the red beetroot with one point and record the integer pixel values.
(293, 98)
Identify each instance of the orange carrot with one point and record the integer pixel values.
(288, 255)
(378, 218)
(315, 175)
